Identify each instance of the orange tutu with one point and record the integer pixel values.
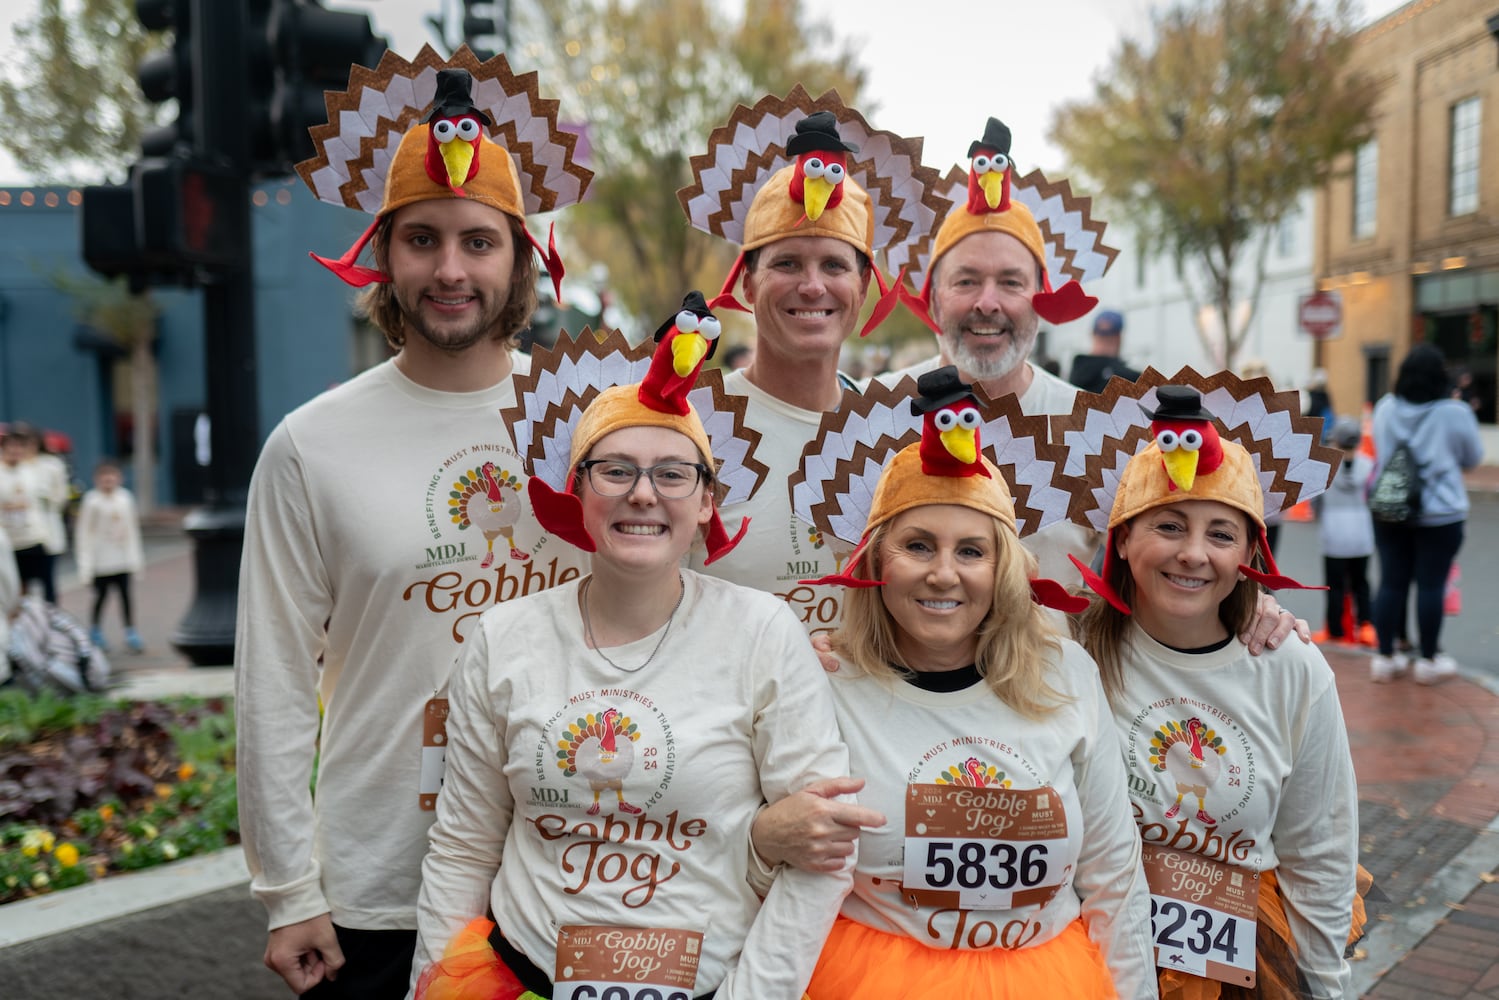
(859, 961)
(470, 970)
(1277, 976)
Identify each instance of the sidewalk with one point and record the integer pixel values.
(1427, 761)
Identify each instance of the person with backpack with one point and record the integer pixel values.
(1423, 440)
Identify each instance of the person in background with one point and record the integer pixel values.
(1442, 436)
(108, 548)
(738, 357)
(1347, 534)
(10, 602)
(26, 491)
(1092, 371)
(1319, 402)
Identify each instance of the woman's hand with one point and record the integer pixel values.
(822, 645)
(1271, 626)
(811, 829)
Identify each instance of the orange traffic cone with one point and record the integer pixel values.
(1366, 433)
(1301, 512)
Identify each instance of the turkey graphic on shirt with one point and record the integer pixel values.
(973, 773)
(1188, 751)
(601, 749)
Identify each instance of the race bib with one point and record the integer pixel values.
(434, 752)
(626, 963)
(983, 848)
(1202, 915)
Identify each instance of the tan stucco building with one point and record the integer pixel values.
(1409, 235)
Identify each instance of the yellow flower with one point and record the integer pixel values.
(37, 841)
(163, 790)
(169, 850)
(186, 771)
(67, 855)
(149, 829)
(106, 812)
(40, 880)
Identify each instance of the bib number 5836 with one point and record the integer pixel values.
(1002, 865)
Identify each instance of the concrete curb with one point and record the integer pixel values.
(120, 896)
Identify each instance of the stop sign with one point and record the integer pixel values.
(1321, 314)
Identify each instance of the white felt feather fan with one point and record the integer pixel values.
(1104, 431)
(743, 153)
(366, 122)
(564, 379)
(834, 485)
(1074, 239)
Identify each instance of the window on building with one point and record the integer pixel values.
(1462, 195)
(1285, 233)
(1365, 188)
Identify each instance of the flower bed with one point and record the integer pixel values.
(90, 786)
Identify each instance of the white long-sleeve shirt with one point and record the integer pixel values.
(780, 549)
(107, 536)
(733, 707)
(899, 735)
(1278, 775)
(365, 540)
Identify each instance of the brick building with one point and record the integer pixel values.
(1409, 234)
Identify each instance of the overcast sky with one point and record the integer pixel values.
(938, 75)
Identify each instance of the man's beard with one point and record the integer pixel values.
(447, 336)
(987, 364)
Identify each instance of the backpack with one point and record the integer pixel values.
(1395, 497)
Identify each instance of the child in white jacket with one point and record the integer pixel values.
(1347, 534)
(109, 548)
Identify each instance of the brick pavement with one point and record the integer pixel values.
(1427, 760)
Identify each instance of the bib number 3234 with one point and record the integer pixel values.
(1202, 915)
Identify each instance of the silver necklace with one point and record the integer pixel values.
(588, 628)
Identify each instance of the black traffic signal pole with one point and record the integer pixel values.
(248, 75)
(220, 74)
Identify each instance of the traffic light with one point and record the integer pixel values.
(188, 215)
(486, 26)
(298, 49)
(168, 74)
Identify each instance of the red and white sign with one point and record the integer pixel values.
(1321, 314)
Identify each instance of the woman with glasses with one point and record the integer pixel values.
(610, 740)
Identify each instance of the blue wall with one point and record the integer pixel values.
(303, 321)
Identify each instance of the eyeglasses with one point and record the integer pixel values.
(671, 480)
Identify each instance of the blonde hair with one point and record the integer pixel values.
(1104, 630)
(1016, 640)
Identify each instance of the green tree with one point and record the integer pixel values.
(76, 115)
(1206, 135)
(73, 110)
(653, 80)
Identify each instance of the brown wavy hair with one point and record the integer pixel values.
(1017, 641)
(1103, 630)
(379, 305)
